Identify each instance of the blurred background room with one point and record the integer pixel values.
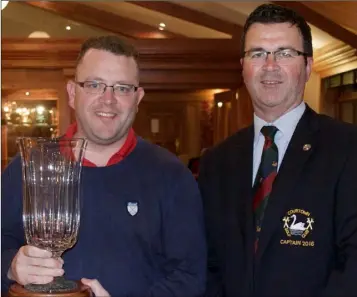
(189, 60)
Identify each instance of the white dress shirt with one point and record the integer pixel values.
(286, 125)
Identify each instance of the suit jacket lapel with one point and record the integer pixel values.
(291, 168)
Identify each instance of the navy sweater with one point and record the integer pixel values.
(160, 251)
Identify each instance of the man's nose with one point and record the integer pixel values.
(270, 62)
(108, 96)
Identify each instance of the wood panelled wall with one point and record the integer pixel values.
(340, 103)
(180, 120)
(232, 111)
(180, 78)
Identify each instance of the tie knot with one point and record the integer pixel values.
(269, 131)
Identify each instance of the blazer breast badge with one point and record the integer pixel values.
(297, 224)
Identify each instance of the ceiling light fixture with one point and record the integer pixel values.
(39, 34)
(27, 93)
(68, 28)
(162, 25)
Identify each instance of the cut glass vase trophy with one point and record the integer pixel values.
(51, 174)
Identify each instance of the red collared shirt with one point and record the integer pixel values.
(124, 151)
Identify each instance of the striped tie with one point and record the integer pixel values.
(265, 177)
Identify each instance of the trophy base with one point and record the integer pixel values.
(17, 290)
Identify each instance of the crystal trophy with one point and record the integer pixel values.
(51, 176)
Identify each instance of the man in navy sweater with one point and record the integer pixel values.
(156, 248)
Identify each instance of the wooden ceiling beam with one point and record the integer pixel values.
(192, 16)
(161, 51)
(110, 22)
(168, 64)
(321, 22)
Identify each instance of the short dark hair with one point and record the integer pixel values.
(274, 14)
(109, 43)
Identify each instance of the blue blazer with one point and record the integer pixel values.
(308, 242)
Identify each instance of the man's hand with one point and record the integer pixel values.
(96, 287)
(32, 265)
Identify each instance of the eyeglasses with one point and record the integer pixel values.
(98, 88)
(281, 55)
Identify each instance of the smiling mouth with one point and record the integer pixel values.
(271, 82)
(107, 115)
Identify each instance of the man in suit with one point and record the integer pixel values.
(280, 196)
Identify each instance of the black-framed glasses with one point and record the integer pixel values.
(98, 88)
(280, 55)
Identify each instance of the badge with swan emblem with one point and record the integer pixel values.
(297, 224)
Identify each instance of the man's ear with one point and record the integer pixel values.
(140, 96)
(308, 67)
(71, 90)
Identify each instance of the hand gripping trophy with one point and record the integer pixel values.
(51, 172)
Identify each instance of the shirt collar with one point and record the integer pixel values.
(123, 152)
(286, 123)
